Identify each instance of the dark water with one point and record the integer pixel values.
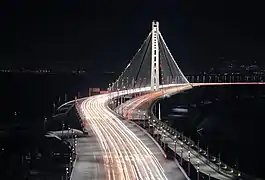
(32, 95)
(231, 119)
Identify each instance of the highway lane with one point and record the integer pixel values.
(125, 155)
(132, 107)
(108, 151)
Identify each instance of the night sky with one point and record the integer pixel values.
(109, 33)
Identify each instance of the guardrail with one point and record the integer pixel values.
(215, 163)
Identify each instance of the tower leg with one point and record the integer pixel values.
(155, 57)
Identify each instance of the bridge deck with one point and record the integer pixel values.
(141, 104)
(171, 169)
(89, 163)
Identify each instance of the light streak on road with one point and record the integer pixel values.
(130, 108)
(125, 155)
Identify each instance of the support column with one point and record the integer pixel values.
(159, 112)
(155, 57)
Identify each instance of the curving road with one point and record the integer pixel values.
(125, 155)
(132, 108)
(140, 105)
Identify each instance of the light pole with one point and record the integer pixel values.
(198, 145)
(159, 112)
(73, 135)
(144, 120)
(62, 129)
(164, 141)
(175, 145)
(158, 134)
(181, 154)
(207, 149)
(109, 92)
(149, 124)
(219, 159)
(54, 107)
(68, 132)
(66, 173)
(161, 141)
(153, 129)
(188, 163)
(182, 136)
(198, 170)
(44, 124)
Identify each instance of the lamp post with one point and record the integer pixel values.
(139, 114)
(198, 170)
(54, 107)
(73, 136)
(188, 163)
(62, 129)
(68, 132)
(44, 124)
(153, 127)
(198, 145)
(158, 134)
(207, 149)
(144, 120)
(175, 146)
(149, 124)
(66, 173)
(65, 97)
(109, 91)
(219, 159)
(161, 141)
(181, 155)
(165, 142)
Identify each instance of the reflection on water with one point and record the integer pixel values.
(228, 119)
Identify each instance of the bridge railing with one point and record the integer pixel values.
(188, 144)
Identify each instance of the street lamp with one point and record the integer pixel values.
(153, 123)
(189, 163)
(165, 142)
(181, 155)
(68, 132)
(144, 120)
(63, 128)
(175, 145)
(219, 159)
(207, 149)
(44, 124)
(139, 114)
(66, 172)
(198, 145)
(198, 170)
(149, 124)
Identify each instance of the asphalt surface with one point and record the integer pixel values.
(126, 153)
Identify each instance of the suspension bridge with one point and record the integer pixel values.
(129, 152)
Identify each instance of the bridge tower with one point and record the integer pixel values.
(155, 57)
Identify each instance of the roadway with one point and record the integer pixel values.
(89, 161)
(139, 106)
(133, 107)
(125, 155)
